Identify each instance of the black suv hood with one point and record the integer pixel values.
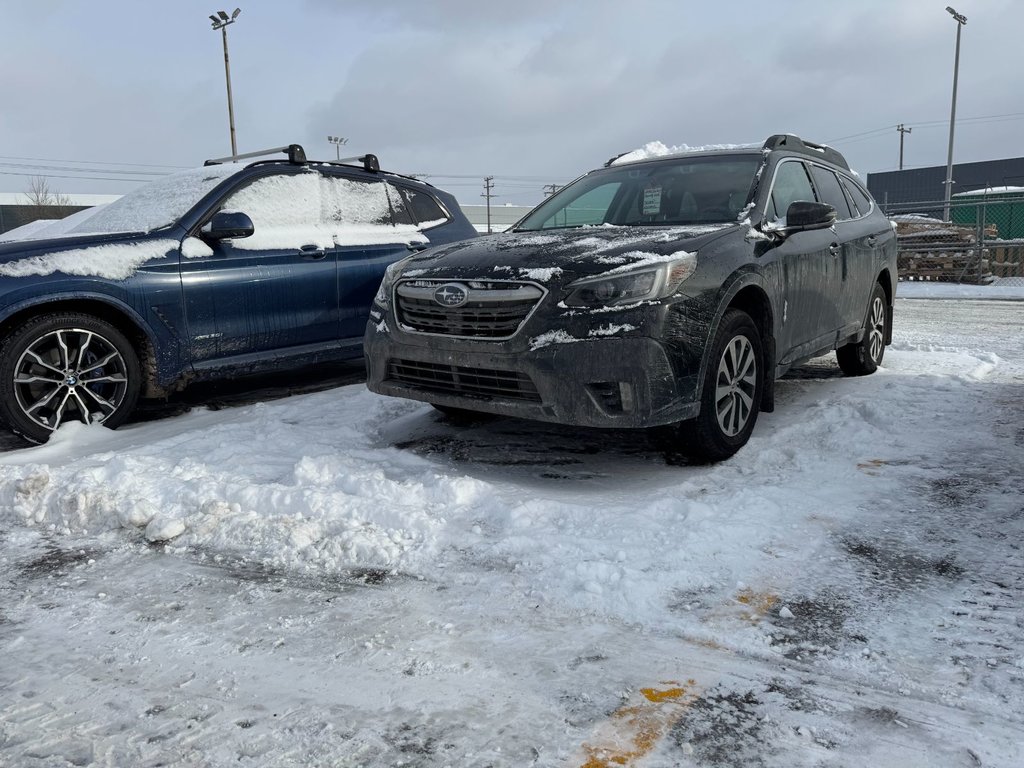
(559, 255)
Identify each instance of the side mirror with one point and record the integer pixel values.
(802, 215)
(227, 225)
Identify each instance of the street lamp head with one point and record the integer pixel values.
(960, 18)
(235, 14)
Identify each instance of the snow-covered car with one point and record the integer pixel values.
(232, 267)
(658, 290)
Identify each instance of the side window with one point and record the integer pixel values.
(425, 209)
(791, 184)
(830, 192)
(858, 195)
(347, 202)
(590, 208)
(400, 211)
(285, 211)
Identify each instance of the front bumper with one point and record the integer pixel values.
(625, 382)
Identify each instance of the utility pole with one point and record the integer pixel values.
(550, 189)
(488, 186)
(902, 131)
(221, 21)
(960, 21)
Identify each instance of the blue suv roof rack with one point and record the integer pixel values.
(296, 154)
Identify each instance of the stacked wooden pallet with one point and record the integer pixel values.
(939, 251)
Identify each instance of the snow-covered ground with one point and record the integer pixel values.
(341, 579)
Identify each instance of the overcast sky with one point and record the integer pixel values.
(532, 92)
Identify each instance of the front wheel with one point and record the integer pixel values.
(66, 367)
(863, 357)
(731, 395)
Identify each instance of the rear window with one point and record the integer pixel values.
(424, 208)
(830, 192)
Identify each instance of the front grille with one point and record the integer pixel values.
(461, 380)
(493, 310)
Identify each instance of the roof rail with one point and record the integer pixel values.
(296, 154)
(370, 162)
(612, 160)
(796, 144)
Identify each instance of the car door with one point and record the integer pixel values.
(803, 261)
(359, 212)
(275, 292)
(872, 233)
(851, 256)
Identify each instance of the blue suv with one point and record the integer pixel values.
(207, 273)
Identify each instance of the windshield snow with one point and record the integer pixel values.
(158, 203)
(692, 190)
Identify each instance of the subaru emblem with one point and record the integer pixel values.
(451, 295)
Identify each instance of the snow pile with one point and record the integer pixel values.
(227, 490)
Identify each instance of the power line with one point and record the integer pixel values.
(93, 162)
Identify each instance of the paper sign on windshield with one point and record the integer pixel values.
(652, 201)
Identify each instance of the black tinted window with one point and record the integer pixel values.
(791, 184)
(830, 192)
(424, 208)
(858, 195)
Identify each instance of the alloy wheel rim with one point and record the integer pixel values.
(735, 385)
(876, 330)
(70, 374)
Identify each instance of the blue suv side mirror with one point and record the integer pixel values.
(228, 225)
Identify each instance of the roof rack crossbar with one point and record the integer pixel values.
(296, 154)
(369, 162)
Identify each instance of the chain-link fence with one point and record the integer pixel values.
(981, 243)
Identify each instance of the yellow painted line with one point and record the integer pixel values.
(635, 729)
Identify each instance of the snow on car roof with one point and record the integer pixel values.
(655, 149)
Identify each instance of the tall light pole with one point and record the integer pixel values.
(221, 21)
(338, 142)
(960, 21)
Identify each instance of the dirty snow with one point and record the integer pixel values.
(342, 579)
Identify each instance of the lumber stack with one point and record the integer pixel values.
(933, 250)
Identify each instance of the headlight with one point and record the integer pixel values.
(640, 283)
(383, 297)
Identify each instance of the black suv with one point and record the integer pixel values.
(650, 292)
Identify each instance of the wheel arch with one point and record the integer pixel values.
(748, 294)
(124, 319)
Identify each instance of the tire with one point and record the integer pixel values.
(66, 367)
(731, 396)
(863, 357)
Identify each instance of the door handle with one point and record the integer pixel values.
(871, 240)
(313, 252)
(835, 249)
(417, 246)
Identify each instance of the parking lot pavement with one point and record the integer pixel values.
(359, 581)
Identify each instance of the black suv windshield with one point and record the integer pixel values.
(688, 190)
